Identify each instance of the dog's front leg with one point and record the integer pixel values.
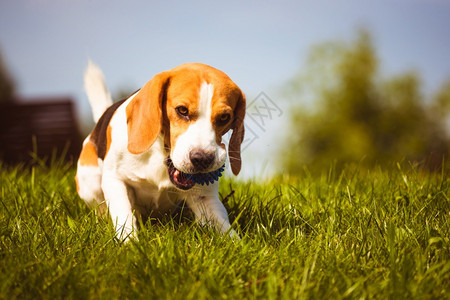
(118, 200)
(208, 209)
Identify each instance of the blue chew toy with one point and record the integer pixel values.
(202, 178)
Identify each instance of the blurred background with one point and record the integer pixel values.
(327, 82)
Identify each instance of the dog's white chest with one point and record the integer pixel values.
(151, 199)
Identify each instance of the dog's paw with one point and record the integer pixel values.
(234, 235)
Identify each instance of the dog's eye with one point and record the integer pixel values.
(182, 111)
(223, 119)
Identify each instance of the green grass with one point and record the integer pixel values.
(374, 234)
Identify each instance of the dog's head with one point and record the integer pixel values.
(193, 105)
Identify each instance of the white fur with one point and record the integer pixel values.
(89, 182)
(95, 87)
(140, 183)
(200, 135)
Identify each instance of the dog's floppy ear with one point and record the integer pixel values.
(234, 148)
(144, 114)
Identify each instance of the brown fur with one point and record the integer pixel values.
(99, 135)
(88, 155)
(152, 111)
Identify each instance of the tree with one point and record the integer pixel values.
(6, 83)
(358, 117)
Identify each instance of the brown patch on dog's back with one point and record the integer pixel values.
(99, 135)
(108, 138)
(88, 155)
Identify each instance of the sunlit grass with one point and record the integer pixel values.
(357, 234)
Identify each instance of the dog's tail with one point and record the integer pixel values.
(95, 87)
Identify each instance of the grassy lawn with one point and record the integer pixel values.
(356, 234)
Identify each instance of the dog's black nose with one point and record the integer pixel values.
(201, 160)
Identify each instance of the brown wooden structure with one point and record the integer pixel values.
(45, 127)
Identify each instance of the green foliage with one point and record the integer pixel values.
(355, 234)
(358, 117)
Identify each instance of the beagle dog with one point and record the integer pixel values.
(161, 145)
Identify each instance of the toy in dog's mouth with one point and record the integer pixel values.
(186, 181)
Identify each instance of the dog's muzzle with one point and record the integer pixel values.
(185, 181)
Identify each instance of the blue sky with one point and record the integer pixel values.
(259, 44)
